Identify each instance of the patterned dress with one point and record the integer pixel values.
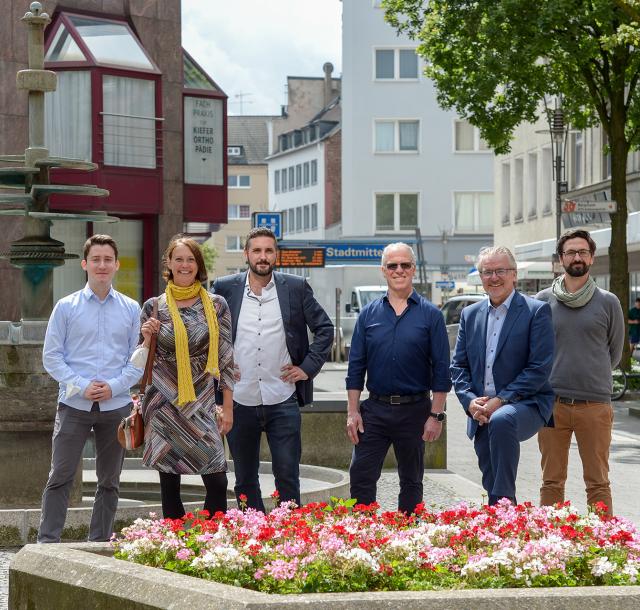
(186, 440)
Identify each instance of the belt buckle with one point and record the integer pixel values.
(394, 399)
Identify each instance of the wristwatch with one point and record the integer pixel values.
(503, 401)
(438, 416)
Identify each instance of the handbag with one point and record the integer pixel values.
(131, 428)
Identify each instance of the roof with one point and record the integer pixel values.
(251, 133)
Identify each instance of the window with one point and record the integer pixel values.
(234, 243)
(306, 218)
(396, 211)
(284, 221)
(314, 216)
(298, 219)
(291, 178)
(239, 182)
(396, 136)
(396, 64)
(298, 176)
(506, 193)
(64, 48)
(473, 212)
(518, 190)
(467, 138)
(276, 181)
(68, 116)
(545, 181)
(314, 171)
(234, 151)
(239, 212)
(283, 181)
(291, 221)
(578, 159)
(305, 173)
(129, 121)
(606, 155)
(532, 185)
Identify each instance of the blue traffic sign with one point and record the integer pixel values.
(445, 284)
(269, 220)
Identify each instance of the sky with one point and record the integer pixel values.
(251, 46)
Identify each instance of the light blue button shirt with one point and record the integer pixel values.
(91, 340)
(495, 321)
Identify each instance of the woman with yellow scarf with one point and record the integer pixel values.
(183, 428)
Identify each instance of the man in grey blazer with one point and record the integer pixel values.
(275, 365)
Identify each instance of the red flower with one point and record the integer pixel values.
(243, 498)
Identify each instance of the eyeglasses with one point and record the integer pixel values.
(394, 266)
(572, 253)
(498, 272)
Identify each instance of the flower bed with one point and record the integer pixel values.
(341, 547)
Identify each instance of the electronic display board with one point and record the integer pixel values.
(300, 257)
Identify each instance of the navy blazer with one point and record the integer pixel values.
(299, 310)
(524, 356)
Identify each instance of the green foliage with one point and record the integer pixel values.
(210, 254)
(494, 61)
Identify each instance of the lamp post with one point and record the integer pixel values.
(558, 132)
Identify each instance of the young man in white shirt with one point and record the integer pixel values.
(270, 313)
(90, 336)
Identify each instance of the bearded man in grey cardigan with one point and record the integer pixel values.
(589, 332)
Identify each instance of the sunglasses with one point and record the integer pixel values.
(394, 266)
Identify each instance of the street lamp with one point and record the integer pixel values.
(558, 132)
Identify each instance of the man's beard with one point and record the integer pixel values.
(260, 272)
(578, 271)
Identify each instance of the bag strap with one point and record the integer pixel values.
(148, 367)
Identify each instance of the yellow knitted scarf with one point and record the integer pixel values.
(186, 391)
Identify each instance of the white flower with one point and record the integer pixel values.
(601, 566)
(359, 556)
(221, 556)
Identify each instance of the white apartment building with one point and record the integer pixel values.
(406, 163)
(300, 185)
(525, 210)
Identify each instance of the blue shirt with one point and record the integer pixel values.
(91, 340)
(405, 354)
(495, 322)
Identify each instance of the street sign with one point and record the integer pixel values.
(300, 257)
(445, 284)
(571, 206)
(353, 252)
(269, 220)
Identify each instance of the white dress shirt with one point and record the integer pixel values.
(91, 340)
(260, 349)
(495, 322)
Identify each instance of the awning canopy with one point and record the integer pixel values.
(527, 270)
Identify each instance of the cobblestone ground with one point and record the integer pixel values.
(435, 496)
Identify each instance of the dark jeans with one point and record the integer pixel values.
(216, 499)
(401, 426)
(281, 423)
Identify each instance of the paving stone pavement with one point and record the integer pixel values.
(5, 558)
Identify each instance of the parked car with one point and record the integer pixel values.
(451, 311)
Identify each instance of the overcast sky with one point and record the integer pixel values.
(251, 46)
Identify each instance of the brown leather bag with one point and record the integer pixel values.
(131, 428)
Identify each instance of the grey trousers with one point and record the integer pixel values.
(70, 432)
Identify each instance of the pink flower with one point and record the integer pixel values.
(184, 554)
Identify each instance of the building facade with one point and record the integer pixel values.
(406, 163)
(129, 100)
(526, 209)
(305, 176)
(248, 147)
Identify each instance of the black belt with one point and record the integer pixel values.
(571, 401)
(396, 399)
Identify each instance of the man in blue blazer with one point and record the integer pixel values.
(500, 371)
(275, 365)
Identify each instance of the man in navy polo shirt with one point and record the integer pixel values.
(400, 342)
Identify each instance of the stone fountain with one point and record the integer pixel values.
(27, 393)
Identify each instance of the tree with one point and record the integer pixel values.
(210, 254)
(494, 60)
